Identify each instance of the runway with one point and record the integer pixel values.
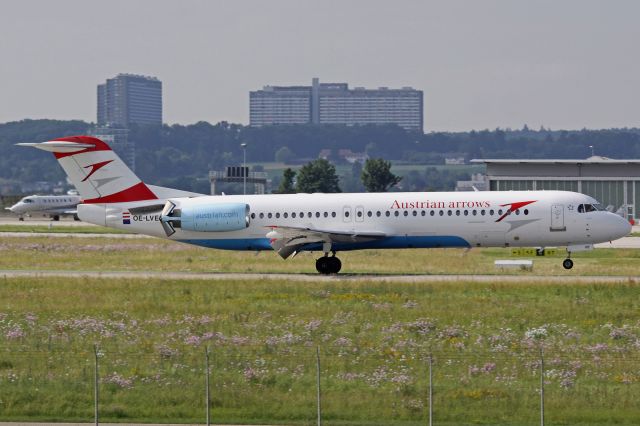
(41, 221)
(223, 276)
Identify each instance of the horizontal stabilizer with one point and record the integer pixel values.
(58, 146)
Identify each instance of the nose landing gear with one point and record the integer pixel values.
(567, 263)
(328, 265)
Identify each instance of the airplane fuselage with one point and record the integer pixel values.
(407, 220)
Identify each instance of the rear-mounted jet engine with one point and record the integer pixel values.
(191, 216)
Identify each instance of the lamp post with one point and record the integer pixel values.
(591, 146)
(244, 168)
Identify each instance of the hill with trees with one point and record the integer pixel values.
(182, 155)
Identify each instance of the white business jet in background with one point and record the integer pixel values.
(290, 223)
(53, 206)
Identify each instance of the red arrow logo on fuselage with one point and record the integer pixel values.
(514, 206)
(95, 167)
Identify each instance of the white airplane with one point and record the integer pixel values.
(290, 223)
(53, 206)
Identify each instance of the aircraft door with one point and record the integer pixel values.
(557, 218)
(346, 213)
(359, 214)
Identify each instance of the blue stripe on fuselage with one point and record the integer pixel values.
(385, 243)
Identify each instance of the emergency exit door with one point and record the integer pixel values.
(557, 218)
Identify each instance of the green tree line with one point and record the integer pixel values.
(182, 153)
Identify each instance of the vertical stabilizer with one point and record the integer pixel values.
(99, 175)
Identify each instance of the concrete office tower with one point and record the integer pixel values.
(335, 103)
(129, 98)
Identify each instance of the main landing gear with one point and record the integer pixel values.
(328, 264)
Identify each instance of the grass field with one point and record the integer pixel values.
(43, 252)
(374, 338)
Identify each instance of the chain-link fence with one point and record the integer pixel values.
(322, 385)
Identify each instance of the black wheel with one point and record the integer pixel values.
(21, 219)
(76, 218)
(336, 265)
(56, 218)
(323, 265)
(567, 263)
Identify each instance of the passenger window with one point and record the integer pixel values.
(293, 215)
(518, 212)
(309, 214)
(277, 215)
(423, 212)
(378, 213)
(346, 214)
(474, 212)
(500, 212)
(441, 212)
(449, 212)
(359, 213)
(261, 215)
(482, 212)
(457, 212)
(285, 215)
(369, 213)
(466, 212)
(432, 213)
(415, 213)
(253, 215)
(526, 212)
(406, 213)
(396, 213)
(387, 213)
(318, 214)
(326, 214)
(491, 212)
(269, 215)
(333, 214)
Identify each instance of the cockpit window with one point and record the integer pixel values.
(587, 208)
(27, 200)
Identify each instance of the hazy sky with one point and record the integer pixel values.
(481, 64)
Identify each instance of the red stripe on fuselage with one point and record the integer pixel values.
(138, 192)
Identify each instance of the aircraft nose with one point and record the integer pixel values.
(620, 227)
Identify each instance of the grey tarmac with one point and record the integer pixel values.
(224, 276)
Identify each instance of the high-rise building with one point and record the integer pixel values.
(335, 103)
(129, 98)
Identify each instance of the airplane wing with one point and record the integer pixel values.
(288, 240)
